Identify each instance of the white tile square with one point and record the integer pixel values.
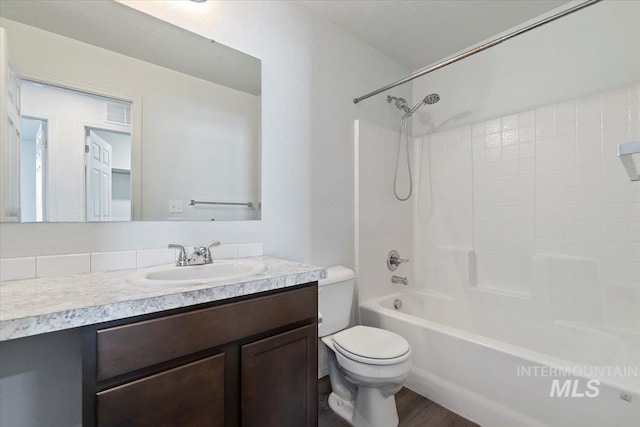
(527, 134)
(614, 193)
(153, 257)
(527, 119)
(510, 122)
(249, 249)
(541, 265)
(589, 139)
(492, 126)
(527, 166)
(586, 268)
(615, 107)
(589, 158)
(109, 261)
(613, 135)
(477, 129)
(226, 251)
(63, 264)
(564, 267)
(564, 118)
(492, 140)
(541, 299)
(17, 268)
(544, 122)
(588, 113)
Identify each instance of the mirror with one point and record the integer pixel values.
(103, 124)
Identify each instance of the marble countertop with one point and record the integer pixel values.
(47, 304)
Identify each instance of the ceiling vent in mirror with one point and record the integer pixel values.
(118, 113)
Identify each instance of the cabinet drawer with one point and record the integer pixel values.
(191, 395)
(126, 348)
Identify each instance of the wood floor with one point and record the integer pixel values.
(413, 410)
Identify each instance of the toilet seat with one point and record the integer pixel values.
(372, 346)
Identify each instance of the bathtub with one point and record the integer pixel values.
(499, 367)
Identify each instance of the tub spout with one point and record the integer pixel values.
(398, 279)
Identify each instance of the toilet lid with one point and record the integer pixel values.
(371, 343)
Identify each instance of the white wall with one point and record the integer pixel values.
(311, 71)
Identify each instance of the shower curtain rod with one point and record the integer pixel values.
(478, 49)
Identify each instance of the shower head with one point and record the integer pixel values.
(401, 103)
(431, 98)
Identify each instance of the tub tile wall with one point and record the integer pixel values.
(553, 214)
(444, 213)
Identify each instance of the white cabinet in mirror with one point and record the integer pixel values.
(113, 115)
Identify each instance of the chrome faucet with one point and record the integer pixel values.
(201, 255)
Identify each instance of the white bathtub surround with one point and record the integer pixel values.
(35, 306)
(546, 207)
(472, 359)
(25, 267)
(526, 238)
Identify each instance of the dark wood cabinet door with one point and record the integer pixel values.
(279, 380)
(191, 395)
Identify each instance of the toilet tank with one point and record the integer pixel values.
(335, 295)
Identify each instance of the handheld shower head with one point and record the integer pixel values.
(431, 98)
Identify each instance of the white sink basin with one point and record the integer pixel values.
(218, 271)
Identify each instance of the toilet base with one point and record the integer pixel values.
(342, 407)
(374, 409)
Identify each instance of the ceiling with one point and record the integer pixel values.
(418, 33)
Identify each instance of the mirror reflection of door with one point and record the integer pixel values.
(108, 179)
(98, 188)
(33, 169)
(75, 155)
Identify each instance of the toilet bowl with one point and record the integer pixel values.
(367, 366)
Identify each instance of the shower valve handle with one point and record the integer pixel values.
(394, 260)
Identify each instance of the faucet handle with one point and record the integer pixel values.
(182, 257)
(394, 260)
(207, 252)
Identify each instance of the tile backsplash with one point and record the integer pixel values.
(53, 265)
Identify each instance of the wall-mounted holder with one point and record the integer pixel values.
(625, 153)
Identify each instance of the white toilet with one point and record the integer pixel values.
(367, 366)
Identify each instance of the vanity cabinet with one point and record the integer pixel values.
(249, 361)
